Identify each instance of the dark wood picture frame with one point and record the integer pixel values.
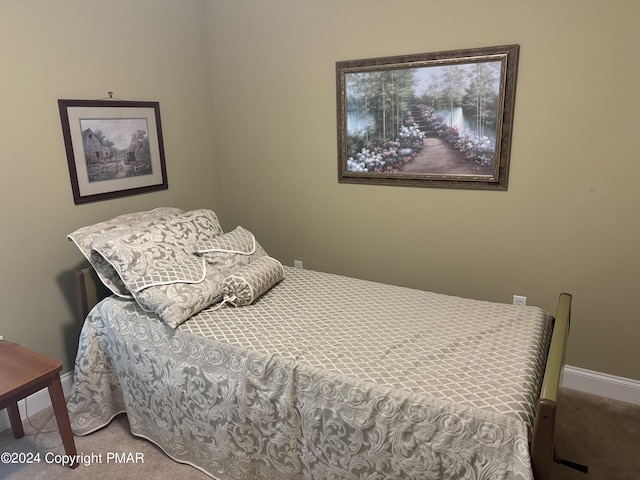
(114, 148)
(441, 119)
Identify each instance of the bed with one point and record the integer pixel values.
(245, 368)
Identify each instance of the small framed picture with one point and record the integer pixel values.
(114, 148)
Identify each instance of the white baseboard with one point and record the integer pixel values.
(36, 402)
(602, 384)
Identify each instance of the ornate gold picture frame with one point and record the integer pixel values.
(440, 119)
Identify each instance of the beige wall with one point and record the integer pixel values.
(247, 96)
(141, 50)
(569, 221)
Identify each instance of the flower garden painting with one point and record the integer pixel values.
(440, 119)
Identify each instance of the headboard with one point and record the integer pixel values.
(89, 291)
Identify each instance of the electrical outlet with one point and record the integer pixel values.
(1, 337)
(519, 300)
(297, 263)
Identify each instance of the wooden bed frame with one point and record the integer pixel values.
(90, 291)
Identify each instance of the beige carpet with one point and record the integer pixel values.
(591, 430)
(598, 432)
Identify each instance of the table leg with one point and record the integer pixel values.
(16, 421)
(62, 417)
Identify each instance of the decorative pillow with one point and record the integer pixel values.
(248, 283)
(174, 303)
(137, 253)
(158, 266)
(231, 250)
(191, 269)
(84, 238)
(238, 240)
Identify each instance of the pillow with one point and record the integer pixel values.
(234, 252)
(84, 238)
(137, 253)
(238, 240)
(187, 270)
(158, 266)
(176, 302)
(244, 286)
(231, 250)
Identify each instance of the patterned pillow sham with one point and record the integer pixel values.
(239, 240)
(84, 238)
(158, 266)
(176, 302)
(137, 253)
(231, 250)
(248, 283)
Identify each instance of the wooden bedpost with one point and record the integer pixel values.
(89, 291)
(542, 441)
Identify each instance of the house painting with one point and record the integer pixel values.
(94, 151)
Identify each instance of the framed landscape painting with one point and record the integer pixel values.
(441, 119)
(114, 148)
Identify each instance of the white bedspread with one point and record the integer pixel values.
(323, 377)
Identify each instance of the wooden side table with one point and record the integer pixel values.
(23, 372)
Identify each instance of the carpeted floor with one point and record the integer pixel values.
(603, 434)
(598, 432)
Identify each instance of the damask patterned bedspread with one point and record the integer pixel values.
(322, 377)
